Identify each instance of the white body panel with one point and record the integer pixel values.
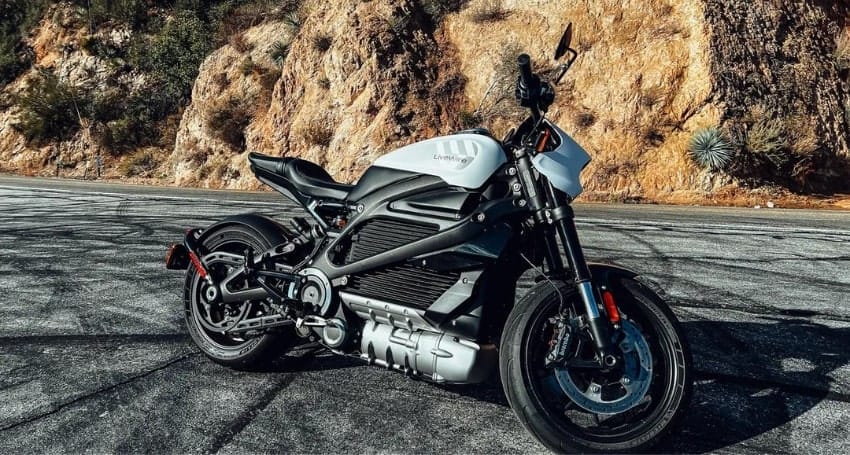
(465, 160)
(563, 165)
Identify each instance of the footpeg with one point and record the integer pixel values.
(334, 331)
(311, 321)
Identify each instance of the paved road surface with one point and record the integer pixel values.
(94, 355)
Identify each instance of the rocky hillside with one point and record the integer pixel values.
(675, 100)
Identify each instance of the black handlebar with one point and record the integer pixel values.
(525, 73)
(528, 86)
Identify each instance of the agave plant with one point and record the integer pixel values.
(710, 149)
(278, 52)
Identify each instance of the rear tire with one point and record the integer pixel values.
(229, 350)
(555, 420)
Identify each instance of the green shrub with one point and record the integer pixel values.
(131, 12)
(174, 55)
(131, 121)
(50, 109)
(10, 63)
(710, 149)
(16, 19)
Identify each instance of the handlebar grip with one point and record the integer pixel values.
(525, 74)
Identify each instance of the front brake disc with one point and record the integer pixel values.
(613, 398)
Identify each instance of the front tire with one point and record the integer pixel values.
(543, 406)
(244, 353)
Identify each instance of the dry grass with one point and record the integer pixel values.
(498, 105)
(487, 11)
(247, 66)
(842, 51)
(767, 138)
(802, 135)
(140, 163)
(229, 118)
(635, 95)
(322, 42)
(240, 44)
(584, 119)
(318, 133)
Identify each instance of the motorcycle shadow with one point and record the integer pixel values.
(760, 377)
(752, 378)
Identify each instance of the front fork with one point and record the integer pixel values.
(552, 210)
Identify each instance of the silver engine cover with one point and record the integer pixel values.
(434, 356)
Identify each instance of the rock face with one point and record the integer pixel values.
(58, 45)
(780, 58)
(351, 80)
(638, 88)
(233, 89)
(361, 78)
(389, 78)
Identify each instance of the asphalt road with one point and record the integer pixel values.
(94, 356)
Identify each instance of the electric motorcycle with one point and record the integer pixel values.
(415, 268)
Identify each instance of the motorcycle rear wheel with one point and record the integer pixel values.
(235, 351)
(544, 408)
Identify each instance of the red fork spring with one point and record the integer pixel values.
(610, 306)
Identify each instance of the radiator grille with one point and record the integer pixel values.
(380, 235)
(405, 284)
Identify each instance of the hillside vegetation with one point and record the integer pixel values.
(676, 100)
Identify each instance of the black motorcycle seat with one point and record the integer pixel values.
(299, 175)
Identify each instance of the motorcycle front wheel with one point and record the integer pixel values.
(579, 409)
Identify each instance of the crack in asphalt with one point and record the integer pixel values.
(794, 389)
(96, 338)
(108, 388)
(235, 427)
(759, 310)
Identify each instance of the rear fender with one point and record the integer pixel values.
(179, 256)
(270, 230)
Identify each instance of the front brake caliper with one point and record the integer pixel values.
(560, 342)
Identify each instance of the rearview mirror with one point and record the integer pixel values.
(564, 44)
